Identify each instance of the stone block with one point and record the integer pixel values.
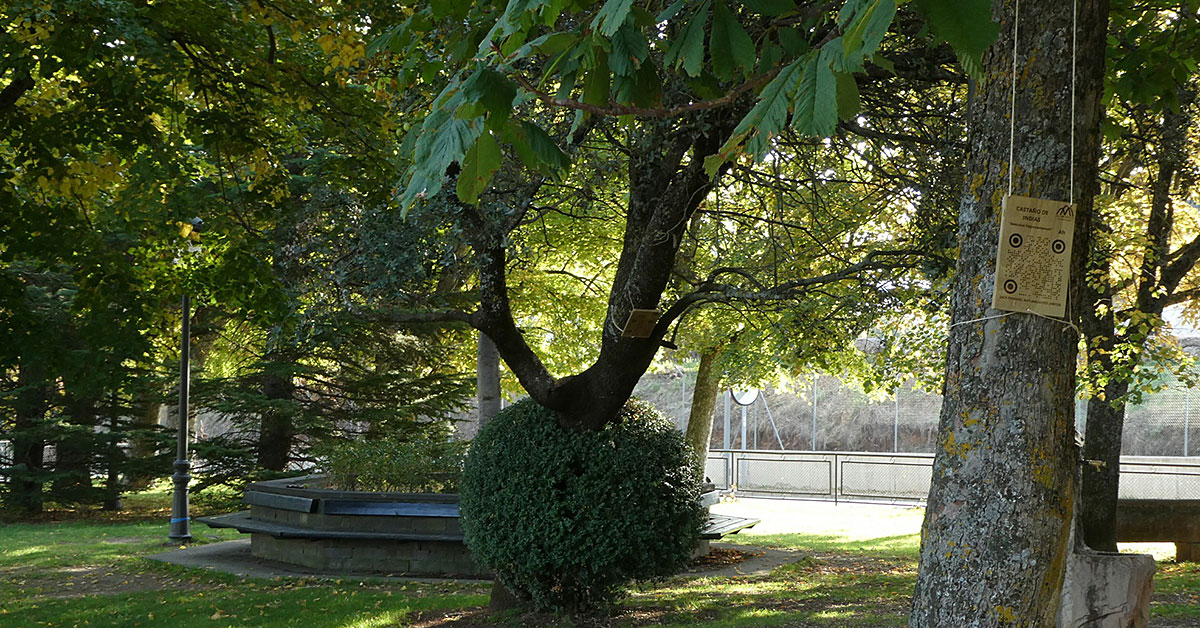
(1106, 590)
(430, 525)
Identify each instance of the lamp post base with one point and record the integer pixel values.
(180, 530)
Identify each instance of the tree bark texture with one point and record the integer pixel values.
(704, 399)
(277, 431)
(28, 441)
(1112, 353)
(994, 541)
(487, 379)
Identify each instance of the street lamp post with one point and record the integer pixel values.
(180, 529)
(180, 520)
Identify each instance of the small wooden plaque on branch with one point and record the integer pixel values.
(641, 323)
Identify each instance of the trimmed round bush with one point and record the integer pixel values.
(567, 518)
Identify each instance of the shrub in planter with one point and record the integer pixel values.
(394, 464)
(567, 518)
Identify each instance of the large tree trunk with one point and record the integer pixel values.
(704, 399)
(1105, 417)
(1113, 354)
(277, 431)
(75, 450)
(487, 379)
(143, 445)
(25, 489)
(994, 541)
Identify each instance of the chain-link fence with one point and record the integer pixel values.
(822, 413)
(904, 478)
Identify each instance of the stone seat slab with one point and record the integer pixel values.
(415, 509)
(242, 522)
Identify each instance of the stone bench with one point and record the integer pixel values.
(299, 522)
(1161, 521)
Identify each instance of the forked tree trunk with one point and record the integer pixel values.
(994, 541)
(704, 399)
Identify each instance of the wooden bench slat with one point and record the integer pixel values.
(721, 525)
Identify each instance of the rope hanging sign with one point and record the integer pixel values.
(1033, 259)
(1033, 263)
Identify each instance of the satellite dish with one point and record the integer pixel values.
(744, 397)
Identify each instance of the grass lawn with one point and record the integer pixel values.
(856, 567)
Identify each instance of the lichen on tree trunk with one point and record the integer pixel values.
(994, 541)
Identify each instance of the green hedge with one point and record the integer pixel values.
(568, 518)
(402, 464)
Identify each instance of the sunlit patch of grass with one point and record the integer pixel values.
(868, 590)
(1176, 590)
(899, 546)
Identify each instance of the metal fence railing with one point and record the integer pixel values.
(903, 478)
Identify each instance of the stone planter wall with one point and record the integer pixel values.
(298, 521)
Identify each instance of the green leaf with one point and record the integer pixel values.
(442, 8)
(770, 8)
(765, 119)
(884, 62)
(596, 84)
(492, 90)
(688, 48)
(769, 57)
(729, 45)
(545, 149)
(611, 16)
(442, 140)
(388, 40)
(816, 97)
(848, 101)
(865, 31)
(670, 11)
(966, 25)
(550, 44)
(509, 22)
(793, 41)
(642, 18)
(643, 89)
(514, 135)
(478, 166)
(629, 50)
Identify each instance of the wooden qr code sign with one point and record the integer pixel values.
(1033, 261)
